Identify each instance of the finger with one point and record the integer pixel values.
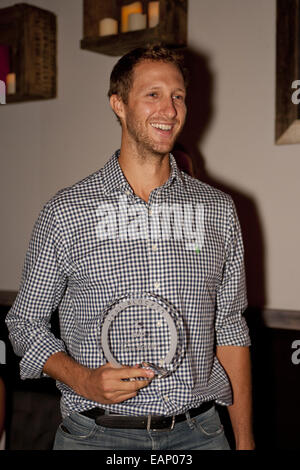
(135, 385)
(142, 384)
(133, 372)
(129, 385)
(123, 397)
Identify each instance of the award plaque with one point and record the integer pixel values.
(143, 330)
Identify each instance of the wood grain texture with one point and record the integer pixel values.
(287, 70)
(171, 30)
(31, 34)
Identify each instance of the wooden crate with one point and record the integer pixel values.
(171, 30)
(287, 128)
(31, 34)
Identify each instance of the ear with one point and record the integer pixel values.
(117, 105)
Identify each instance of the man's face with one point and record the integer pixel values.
(155, 113)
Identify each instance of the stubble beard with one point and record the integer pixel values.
(144, 143)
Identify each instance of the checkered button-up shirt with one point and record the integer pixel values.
(97, 242)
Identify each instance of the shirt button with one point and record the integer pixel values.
(150, 212)
(166, 398)
(127, 192)
(159, 323)
(154, 247)
(156, 285)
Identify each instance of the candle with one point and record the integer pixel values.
(153, 14)
(136, 21)
(108, 26)
(11, 83)
(127, 10)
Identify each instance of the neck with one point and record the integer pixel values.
(144, 171)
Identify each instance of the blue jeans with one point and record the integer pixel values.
(203, 432)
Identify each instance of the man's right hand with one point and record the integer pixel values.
(110, 385)
(106, 384)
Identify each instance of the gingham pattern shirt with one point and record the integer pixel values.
(85, 254)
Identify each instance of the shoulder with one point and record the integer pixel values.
(205, 193)
(77, 196)
(87, 187)
(69, 206)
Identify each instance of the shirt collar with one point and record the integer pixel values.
(114, 179)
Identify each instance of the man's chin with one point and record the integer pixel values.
(157, 149)
(160, 152)
(163, 149)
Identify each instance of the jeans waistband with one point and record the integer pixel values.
(153, 422)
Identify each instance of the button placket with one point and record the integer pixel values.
(152, 248)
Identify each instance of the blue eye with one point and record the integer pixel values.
(179, 97)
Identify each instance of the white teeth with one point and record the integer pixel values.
(163, 127)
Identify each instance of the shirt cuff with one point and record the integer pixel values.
(33, 361)
(234, 334)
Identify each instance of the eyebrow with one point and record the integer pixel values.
(159, 87)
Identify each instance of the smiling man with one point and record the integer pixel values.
(152, 116)
(155, 110)
(82, 265)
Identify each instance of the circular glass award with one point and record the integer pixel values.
(143, 330)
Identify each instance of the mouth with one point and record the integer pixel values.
(162, 127)
(163, 130)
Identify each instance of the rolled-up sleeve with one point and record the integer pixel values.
(230, 324)
(42, 287)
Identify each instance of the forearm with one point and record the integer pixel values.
(106, 384)
(32, 340)
(237, 364)
(62, 367)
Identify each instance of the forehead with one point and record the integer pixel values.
(151, 73)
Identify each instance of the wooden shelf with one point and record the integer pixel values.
(171, 30)
(30, 33)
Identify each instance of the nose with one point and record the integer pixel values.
(168, 108)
